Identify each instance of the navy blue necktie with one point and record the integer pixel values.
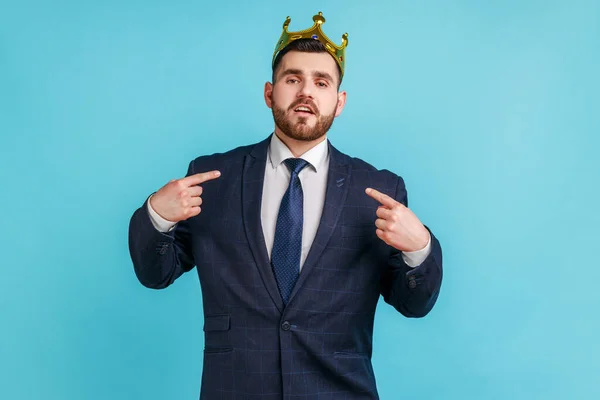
(287, 245)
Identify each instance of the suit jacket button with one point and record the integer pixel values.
(163, 248)
(412, 283)
(286, 326)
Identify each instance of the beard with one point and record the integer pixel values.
(300, 130)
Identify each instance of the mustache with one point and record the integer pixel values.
(306, 102)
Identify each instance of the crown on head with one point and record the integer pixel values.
(315, 32)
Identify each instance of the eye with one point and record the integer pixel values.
(322, 84)
(292, 80)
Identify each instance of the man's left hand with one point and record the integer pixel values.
(397, 225)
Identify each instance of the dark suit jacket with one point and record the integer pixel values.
(319, 346)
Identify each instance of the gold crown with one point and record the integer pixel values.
(315, 32)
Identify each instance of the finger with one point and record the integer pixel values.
(202, 177)
(194, 211)
(385, 213)
(195, 191)
(381, 224)
(382, 198)
(194, 201)
(383, 235)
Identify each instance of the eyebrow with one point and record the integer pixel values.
(318, 74)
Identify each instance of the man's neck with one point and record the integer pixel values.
(298, 147)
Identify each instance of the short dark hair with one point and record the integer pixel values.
(304, 46)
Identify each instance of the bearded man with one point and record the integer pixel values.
(294, 242)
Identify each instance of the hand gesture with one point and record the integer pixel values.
(180, 199)
(397, 225)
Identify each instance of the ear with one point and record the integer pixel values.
(340, 103)
(268, 94)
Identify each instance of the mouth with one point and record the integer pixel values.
(304, 109)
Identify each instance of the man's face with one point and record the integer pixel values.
(304, 98)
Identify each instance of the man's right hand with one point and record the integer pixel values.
(180, 199)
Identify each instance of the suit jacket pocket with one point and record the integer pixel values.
(358, 366)
(217, 335)
(214, 323)
(217, 350)
(349, 354)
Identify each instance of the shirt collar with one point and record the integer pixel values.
(278, 152)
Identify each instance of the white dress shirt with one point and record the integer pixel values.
(313, 178)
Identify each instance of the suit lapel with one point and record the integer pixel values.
(335, 197)
(253, 177)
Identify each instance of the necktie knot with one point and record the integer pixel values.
(295, 165)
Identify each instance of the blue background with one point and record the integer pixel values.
(489, 110)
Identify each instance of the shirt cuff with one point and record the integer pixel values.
(415, 258)
(161, 224)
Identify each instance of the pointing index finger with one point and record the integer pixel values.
(199, 178)
(384, 199)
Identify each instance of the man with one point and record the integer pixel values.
(293, 241)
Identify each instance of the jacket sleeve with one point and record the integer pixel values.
(159, 258)
(412, 291)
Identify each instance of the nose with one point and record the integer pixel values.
(306, 90)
